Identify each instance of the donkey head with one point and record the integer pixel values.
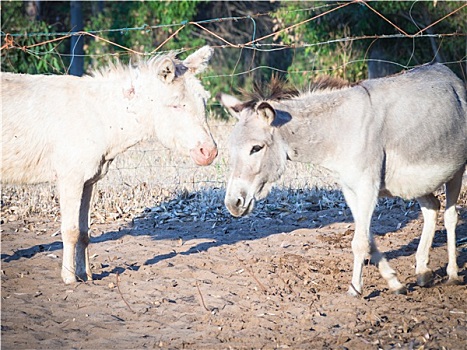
(258, 154)
(177, 101)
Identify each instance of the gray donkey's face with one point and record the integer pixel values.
(257, 155)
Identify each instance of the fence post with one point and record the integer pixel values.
(77, 41)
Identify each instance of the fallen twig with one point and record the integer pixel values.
(201, 296)
(120, 292)
(250, 272)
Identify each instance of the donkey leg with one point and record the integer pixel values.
(387, 272)
(453, 188)
(83, 267)
(429, 205)
(70, 201)
(363, 243)
(361, 239)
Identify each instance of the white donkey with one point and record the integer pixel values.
(404, 135)
(69, 129)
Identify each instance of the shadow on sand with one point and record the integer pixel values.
(223, 229)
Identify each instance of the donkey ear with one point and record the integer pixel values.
(265, 111)
(198, 61)
(231, 103)
(166, 70)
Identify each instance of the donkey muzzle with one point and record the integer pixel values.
(204, 154)
(239, 206)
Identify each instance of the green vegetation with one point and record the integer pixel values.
(39, 59)
(310, 48)
(141, 15)
(349, 59)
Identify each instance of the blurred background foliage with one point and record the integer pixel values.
(312, 48)
(358, 59)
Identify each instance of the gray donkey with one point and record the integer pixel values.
(404, 135)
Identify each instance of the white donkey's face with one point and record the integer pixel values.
(257, 155)
(178, 102)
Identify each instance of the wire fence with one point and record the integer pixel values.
(256, 43)
(152, 176)
(150, 164)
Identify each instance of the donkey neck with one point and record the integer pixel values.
(126, 118)
(322, 124)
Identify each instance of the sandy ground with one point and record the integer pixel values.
(261, 282)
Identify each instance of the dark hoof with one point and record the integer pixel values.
(83, 277)
(401, 291)
(424, 279)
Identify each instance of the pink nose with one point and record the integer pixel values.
(204, 154)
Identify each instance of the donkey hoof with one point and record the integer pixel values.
(424, 279)
(83, 278)
(69, 279)
(353, 291)
(401, 291)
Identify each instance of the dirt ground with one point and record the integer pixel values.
(264, 282)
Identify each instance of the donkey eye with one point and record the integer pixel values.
(256, 149)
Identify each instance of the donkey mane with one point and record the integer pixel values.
(326, 82)
(117, 67)
(278, 89)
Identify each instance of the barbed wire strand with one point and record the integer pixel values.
(9, 42)
(421, 30)
(215, 35)
(387, 20)
(252, 44)
(441, 19)
(168, 39)
(302, 22)
(146, 26)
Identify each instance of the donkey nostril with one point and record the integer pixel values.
(239, 202)
(206, 153)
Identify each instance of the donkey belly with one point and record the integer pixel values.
(16, 170)
(416, 180)
(25, 162)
